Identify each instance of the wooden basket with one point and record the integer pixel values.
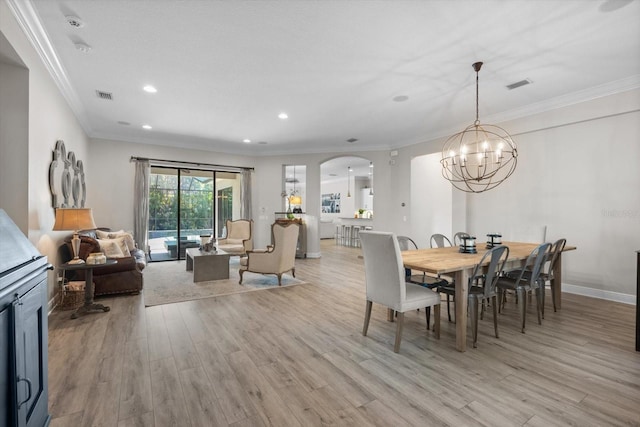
(71, 299)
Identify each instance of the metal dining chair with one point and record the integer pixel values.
(439, 241)
(546, 275)
(482, 286)
(524, 280)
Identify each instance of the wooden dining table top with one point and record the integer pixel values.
(450, 259)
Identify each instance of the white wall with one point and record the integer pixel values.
(432, 200)
(49, 119)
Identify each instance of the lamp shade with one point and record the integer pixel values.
(73, 219)
(295, 200)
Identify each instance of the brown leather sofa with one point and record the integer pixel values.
(123, 277)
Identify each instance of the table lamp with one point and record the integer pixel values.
(74, 219)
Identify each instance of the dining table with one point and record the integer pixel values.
(451, 262)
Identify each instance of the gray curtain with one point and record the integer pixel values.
(245, 195)
(141, 204)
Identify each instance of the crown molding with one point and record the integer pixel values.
(29, 22)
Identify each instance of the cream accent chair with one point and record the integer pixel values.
(278, 258)
(239, 238)
(385, 284)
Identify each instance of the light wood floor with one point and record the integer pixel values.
(296, 356)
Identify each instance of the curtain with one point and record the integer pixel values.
(141, 204)
(245, 195)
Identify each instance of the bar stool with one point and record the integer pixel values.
(355, 236)
(338, 235)
(346, 235)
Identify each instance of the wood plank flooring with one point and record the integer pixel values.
(296, 357)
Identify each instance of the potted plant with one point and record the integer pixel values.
(360, 213)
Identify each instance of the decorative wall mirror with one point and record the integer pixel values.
(66, 179)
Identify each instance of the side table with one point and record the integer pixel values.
(89, 306)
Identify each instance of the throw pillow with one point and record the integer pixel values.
(100, 234)
(131, 244)
(121, 244)
(110, 248)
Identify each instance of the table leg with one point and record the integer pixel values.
(461, 278)
(89, 290)
(557, 281)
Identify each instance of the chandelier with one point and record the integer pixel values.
(480, 157)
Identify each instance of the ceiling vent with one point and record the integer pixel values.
(352, 140)
(519, 84)
(104, 95)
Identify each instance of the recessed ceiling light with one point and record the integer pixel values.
(150, 89)
(82, 47)
(283, 116)
(400, 98)
(246, 141)
(147, 127)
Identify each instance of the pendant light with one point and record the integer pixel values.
(295, 198)
(348, 181)
(479, 158)
(371, 178)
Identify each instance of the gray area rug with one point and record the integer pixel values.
(169, 282)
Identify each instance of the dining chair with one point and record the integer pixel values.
(385, 284)
(439, 241)
(422, 279)
(546, 275)
(457, 238)
(525, 279)
(448, 288)
(482, 286)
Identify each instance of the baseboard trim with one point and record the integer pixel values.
(599, 293)
(52, 304)
(313, 254)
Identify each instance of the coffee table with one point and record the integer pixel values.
(212, 265)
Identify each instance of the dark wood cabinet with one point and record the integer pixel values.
(23, 330)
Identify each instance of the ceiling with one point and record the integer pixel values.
(387, 73)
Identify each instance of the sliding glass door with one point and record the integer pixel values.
(182, 207)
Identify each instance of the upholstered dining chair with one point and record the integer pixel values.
(239, 238)
(439, 241)
(385, 284)
(457, 238)
(524, 280)
(422, 279)
(277, 258)
(482, 286)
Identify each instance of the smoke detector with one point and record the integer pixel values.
(74, 21)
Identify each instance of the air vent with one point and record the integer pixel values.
(519, 84)
(74, 21)
(104, 95)
(352, 140)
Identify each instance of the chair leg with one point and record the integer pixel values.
(428, 312)
(436, 320)
(241, 272)
(494, 304)
(279, 279)
(448, 308)
(542, 296)
(522, 296)
(293, 272)
(539, 292)
(399, 325)
(553, 293)
(473, 307)
(367, 317)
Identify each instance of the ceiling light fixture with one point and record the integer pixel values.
(348, 181)
(82, 47)
(479, 158)
(246, 141)
(283, 116)
(150, 89)
(371, 178)
(147, 127)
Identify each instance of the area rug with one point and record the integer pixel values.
(169, 282)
